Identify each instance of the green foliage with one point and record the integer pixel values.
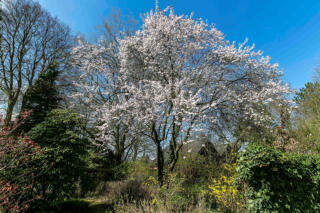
(41, 98)
(172, 193)
(64, 146)
(177, 195)
(140, 170)
(308, 134)
(308, 117)
(248, 131)
(309, 97)
(279, 182)
(101, 168)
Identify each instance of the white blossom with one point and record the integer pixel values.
(178, 75)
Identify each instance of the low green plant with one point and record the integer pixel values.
(151, 207)
(140, 170)
(275, 181)
(175, 194)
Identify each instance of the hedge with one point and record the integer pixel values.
(279, 182)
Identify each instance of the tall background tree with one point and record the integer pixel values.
(31, 40)
(307, 118)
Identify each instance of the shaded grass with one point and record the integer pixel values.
(80, 206)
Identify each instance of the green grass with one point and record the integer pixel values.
(80, 206)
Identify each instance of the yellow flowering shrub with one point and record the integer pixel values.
(151, 181)
(226, 195)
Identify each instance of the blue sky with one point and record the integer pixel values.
(286, 30)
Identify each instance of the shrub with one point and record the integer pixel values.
(127, 191)
(140, 170)
(65, 147)
(174, 194)
(17, 170)
(226, 195)
(279, 182)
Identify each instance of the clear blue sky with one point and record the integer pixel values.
(286, 30)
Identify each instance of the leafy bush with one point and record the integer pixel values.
(279, 182)
(17, 170)
(64, 146)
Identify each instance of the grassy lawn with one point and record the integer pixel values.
(80, 206)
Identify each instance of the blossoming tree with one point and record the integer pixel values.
(98, 83)
(178, 75)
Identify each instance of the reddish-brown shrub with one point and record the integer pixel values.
(17, 170)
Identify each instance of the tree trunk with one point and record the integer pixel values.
(119, 148)
(135, 150)
(24, 100)
(9, 111)
(173, 163)
(160, 159)
(173, 155)
(160, 163)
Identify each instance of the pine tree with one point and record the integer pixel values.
(41, 98)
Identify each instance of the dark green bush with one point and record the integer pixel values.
(64, 147)
(279, 182)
